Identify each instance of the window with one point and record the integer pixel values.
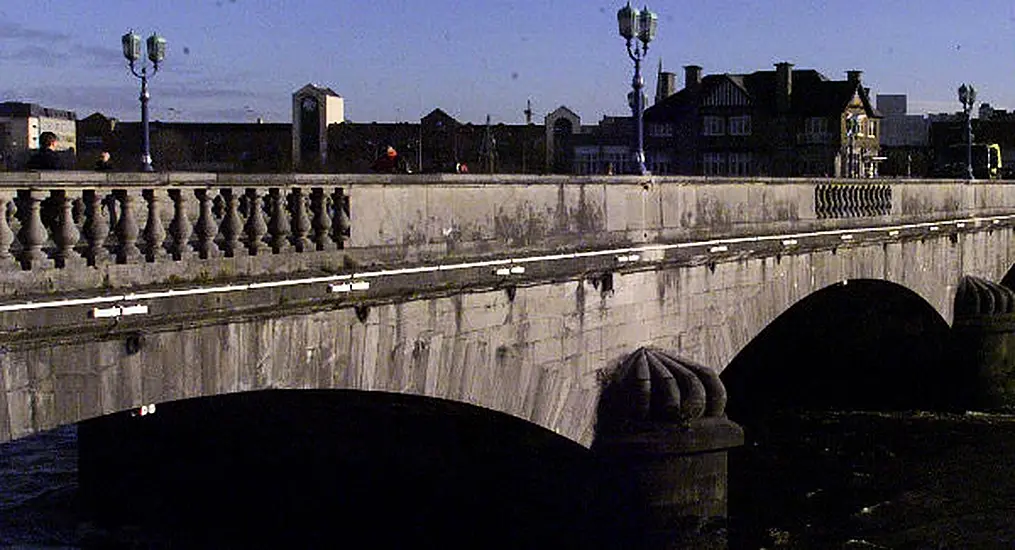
(740, 125)
(713, 126)
(713, 164)
(862, 125)
(660, 130)
(816, 125)
(740, 164)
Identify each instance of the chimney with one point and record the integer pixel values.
(666, 84)
(853, 76)
(692, 76)
(783, 86)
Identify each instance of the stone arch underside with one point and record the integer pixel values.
(865, 344)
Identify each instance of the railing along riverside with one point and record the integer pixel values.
(63, 226)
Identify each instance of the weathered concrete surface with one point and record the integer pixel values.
(537, 352)
(399, 220)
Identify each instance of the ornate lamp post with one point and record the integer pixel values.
(156, 53)
(641, 24)
(967, 96)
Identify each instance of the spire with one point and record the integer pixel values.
(488, 149)
(665, 83)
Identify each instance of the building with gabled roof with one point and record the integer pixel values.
(778, 123)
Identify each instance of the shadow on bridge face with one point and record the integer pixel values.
(334, 467)
(863, 345)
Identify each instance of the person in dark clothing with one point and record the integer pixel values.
(46, 158)
(390, 163)
(103, 164)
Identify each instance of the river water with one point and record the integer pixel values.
(805, 480)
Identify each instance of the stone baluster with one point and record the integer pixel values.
(33, 233)
(278, 225)
(206, 229)
(301, 222)
(342, 226)
(821, 201)
(320, 204)
(96, 228)
(65, 232)
(127, 230)
(7, 260)
(838, 199)
(154, 233)
(869, 205)
(232, 226)
(256, 228)
(180, 228)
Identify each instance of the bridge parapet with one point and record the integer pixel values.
(84, 231)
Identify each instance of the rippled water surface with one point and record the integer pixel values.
(809, 480)
(38, 480)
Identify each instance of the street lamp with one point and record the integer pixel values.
(641, 24)
(156, 46)
(967, 96)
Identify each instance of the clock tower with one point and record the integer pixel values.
(314, 109)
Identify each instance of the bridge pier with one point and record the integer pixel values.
(983, 343)
(662, 447)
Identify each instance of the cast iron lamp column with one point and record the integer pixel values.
(641, 24)
(967, 96)
(156, 53)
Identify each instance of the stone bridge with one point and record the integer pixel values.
(516, 293)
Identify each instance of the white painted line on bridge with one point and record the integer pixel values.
(105, 312)
(633, 253)
(349, 287)
(118, 311)
(137, 309)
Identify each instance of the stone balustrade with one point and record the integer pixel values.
(69, 228)
(123, 227)
(83, 231)
(845, 200)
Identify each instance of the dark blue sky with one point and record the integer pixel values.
(235, 60)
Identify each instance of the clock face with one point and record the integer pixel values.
(309, 104)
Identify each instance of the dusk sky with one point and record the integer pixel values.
(236, 60)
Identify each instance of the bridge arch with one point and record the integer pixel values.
(857, 344)
(313, 463)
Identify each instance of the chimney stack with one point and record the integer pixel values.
(692, 76)
(853, 76)
(665, 85)
(783, 86)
